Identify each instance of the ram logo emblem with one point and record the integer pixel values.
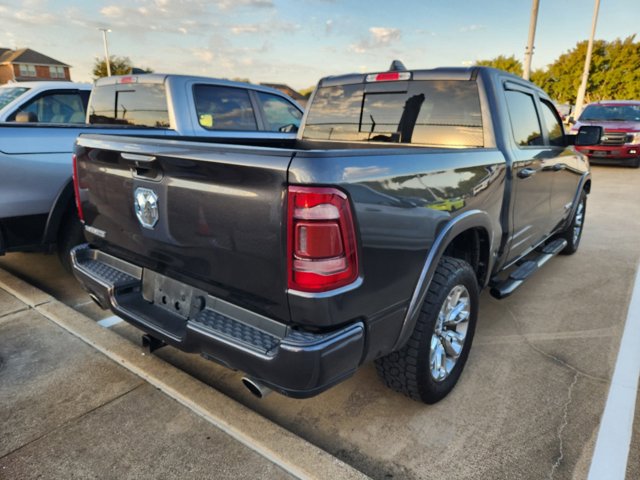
(146, 205)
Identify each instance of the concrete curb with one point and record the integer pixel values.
(290, 452)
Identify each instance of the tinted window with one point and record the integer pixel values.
(8, 95)
(278, 112)
(224, 108)
(56, 108)
(135, 104)
(553, 126)
(524, 119)
(442, 113)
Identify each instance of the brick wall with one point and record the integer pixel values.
(42, 73)
(5, 74)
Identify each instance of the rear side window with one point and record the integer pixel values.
(524, 119)
(224, 108)
(279, 113)
(441, 113)
(132, 104)
(60, 108)
(553, 126)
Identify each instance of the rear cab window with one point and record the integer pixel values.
(439, 113)
(130, 104)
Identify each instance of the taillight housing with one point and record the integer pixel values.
(321, 239)
(76, 188)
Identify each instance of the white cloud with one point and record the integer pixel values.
(240, 29)
(203, 54)
(472, 28)
(268, 28)
(230, 4)
(112, 11)
(384, 36)
(378, 37)
(328, 26)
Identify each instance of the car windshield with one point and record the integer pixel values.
(611, 113)
(9, 94)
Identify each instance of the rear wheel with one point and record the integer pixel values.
(70, 234)
(429, 365)
(573, 234)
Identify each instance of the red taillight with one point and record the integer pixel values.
(76, 188)
(321, 247)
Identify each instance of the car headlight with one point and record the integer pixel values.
(633, 138)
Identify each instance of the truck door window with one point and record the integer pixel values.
(553, 125)
(278, 112)
(524, 119)
(56, 108)
(224, 108)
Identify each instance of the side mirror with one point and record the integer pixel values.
(289, 128)
(571, 121)
(588, 135)
(26, 117)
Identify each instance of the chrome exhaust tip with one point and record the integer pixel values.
(258, 389)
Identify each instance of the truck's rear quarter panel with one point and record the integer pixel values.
(402, 199)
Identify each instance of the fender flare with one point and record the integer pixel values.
(586, 177)
(459, 224)
(60, 208)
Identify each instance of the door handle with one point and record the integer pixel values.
(559, 166)
(526, 172)
(139, 160)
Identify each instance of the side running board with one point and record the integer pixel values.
(506, 287)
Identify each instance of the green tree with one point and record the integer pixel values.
(614, 73)
(119, 66)
(508, 64)
(306, 92)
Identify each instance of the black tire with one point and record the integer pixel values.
(409, 370)
(636, 163)
(573, 233)
(70, 234)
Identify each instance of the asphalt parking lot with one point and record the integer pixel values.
(530, 401)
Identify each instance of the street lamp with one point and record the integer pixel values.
(587, 64)
(106, 49)
(526, 71)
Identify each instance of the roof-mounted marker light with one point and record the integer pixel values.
(388, 76)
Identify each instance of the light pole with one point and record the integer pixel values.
(106, 49)
(587, 64)
(528, 53)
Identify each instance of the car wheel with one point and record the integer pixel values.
(573, 234)
(70, 234)
(429, 365)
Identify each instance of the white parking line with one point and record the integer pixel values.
(614, 437)
(109, 321)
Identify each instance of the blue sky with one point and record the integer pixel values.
(298, 42)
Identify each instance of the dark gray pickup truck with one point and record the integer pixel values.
(369, 237)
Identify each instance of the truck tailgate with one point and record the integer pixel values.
(209, 216)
